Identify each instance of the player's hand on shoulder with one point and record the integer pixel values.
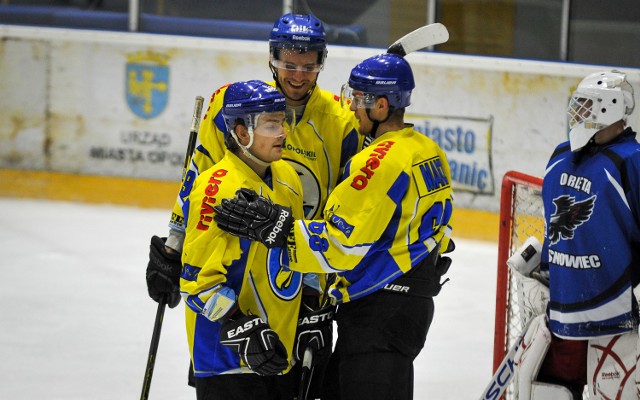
(255, 217)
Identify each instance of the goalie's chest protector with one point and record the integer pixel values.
(591, 230)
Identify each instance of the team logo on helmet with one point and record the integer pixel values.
(147, 83)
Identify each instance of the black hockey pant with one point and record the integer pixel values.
(244, 387)
(379, 336)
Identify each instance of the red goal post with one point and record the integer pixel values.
(521, 216)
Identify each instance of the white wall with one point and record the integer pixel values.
(69, 102)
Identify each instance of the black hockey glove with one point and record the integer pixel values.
(163, 273)
(257, 344)
(438, 269)
(252, 216)
(425, 278)
(315, 330)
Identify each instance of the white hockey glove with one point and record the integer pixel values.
(533, 288)
(527, 257)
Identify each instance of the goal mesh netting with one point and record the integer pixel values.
(521, 216)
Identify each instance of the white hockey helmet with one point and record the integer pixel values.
(600, 100)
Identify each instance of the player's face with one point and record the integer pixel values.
(357, 106)
(297, 74)
(269, 135)
(579, 110)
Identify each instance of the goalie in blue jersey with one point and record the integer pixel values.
(591, 196)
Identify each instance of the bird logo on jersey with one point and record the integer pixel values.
(568, 216)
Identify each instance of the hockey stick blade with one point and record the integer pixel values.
(505, 371)
(423, 37)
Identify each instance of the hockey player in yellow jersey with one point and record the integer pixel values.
(323, 140)
(242, 308)
(325, 135)
(383, 230)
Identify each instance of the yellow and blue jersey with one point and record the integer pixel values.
(392, 208)
(324, 138)
(213, 259)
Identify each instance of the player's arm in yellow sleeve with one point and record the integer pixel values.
(209, 150)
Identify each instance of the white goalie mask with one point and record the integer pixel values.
(600, 100)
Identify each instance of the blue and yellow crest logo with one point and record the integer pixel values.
(147, 81)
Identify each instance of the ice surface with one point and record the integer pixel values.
(76, 320)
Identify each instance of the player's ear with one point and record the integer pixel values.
(382, 103)
(242, 133)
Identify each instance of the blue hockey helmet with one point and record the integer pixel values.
(386, 75)
(299, 32)
(245, 101)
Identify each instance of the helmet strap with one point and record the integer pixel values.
(374, 128)
(245, 149)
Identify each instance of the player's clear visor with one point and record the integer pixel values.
(349, 96)
(580, 110)
(273, 124)
(291, 67)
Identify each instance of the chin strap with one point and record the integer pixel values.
(374, 128)
(245, 149)
(377, 123)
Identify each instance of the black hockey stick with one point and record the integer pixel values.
(157, 326)
(193, 134)
(153, 349)
(306, 373)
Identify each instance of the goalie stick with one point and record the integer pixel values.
(505, 371)
(423, 37)
(157, 326)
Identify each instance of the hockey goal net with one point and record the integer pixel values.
(521, 216)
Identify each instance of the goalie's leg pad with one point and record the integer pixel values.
(530, 356)
(549, 391)
(613, 367)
